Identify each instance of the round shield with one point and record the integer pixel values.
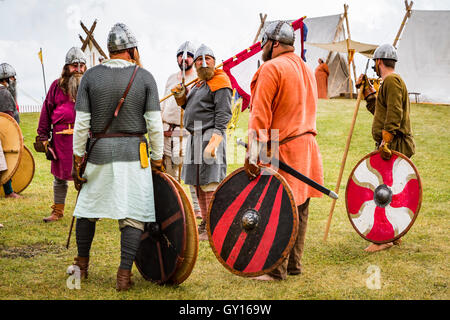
(383, 197)
(191, 253)
(12, 145)
(24, 173)
(252, 224)
(163, 242)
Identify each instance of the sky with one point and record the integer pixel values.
(160, 27)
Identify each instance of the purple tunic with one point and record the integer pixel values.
(58, 109)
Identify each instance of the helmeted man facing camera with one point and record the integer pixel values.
(207, 111)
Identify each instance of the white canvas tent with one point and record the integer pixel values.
(424, 55)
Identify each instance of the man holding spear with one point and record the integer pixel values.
(391, 127)
(172, 116)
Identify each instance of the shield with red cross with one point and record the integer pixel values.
(252, 224)
(383, 197)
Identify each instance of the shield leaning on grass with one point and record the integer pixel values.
(12, 145)
(163, 243)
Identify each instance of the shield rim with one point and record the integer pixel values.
(6, 178)
(180, 257)
(19, 190)
(177, 279)
(401, 155)
(292, 239)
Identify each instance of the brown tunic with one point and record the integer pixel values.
(391, 111)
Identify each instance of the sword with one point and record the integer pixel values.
(288, 169)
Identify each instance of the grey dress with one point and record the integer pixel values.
(206, 112)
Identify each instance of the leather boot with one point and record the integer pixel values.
(83, 264)
(123, 280)
(57, 213)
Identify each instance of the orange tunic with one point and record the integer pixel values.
(284, 97)
(322, 73)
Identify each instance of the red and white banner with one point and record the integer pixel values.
(241, 67)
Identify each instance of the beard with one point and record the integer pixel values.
(69, 82)
(73, 84)
(187, 66)
(266, 55)
(205, 73)
(12, 88)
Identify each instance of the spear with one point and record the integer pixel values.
(347, 146)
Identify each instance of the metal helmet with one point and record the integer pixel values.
(279, 31)
(188, 47)
(75, 55)
(385, 51)
(120, 38)
(6, 71)
(203, 51)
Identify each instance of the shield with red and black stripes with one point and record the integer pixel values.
(383, 197)
(252, 224)
(163, 242)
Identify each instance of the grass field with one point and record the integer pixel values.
(33, 259)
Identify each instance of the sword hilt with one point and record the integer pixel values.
(286, 168)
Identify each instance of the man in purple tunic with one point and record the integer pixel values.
(56, 123)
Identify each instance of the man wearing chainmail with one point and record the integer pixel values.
(8, 105)
(171, 116)
(207, 111)
(56, 123)
(117, 181)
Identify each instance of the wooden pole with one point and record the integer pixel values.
(349, 39)
(263, 20)
(344, 159)
(407, 15)
(348, 54)
(187, 85)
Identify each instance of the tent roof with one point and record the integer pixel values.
(341, 46)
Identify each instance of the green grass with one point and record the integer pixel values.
(33, 259)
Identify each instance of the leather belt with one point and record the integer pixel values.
(288, 139)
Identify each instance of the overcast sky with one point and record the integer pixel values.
(162, 26)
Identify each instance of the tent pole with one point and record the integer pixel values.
(349, 37)
(407, 15)
(263, 20)
(350, 87)
(344, 159)
(336, 35)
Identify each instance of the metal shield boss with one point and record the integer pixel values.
(24, 173)
(12, 145)
(252, 224)
(163, 243)
(383, 197)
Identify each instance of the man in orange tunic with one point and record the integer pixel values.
(284, 101)
(322, 72)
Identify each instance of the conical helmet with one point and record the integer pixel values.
(6, 71)
(279, 31)
(120, 38)
(75, 55)
(203, 51)
(188, 47)
(385, 51)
